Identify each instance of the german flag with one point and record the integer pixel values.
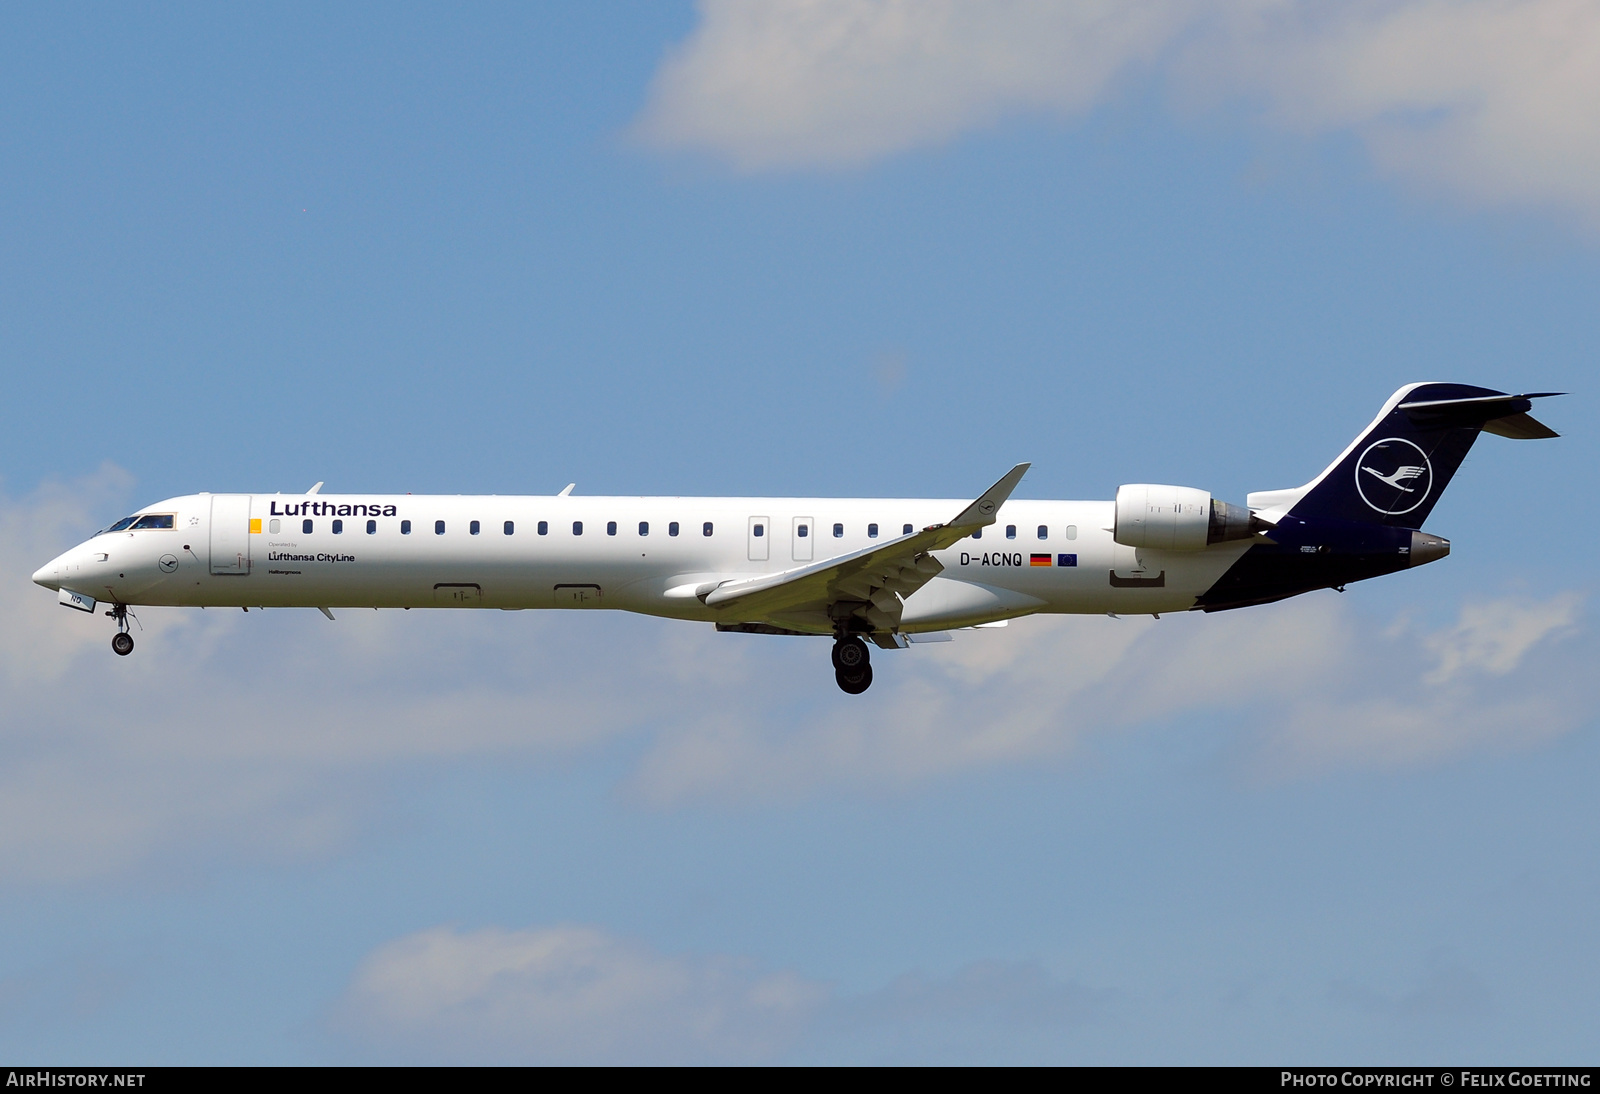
(1038, 560)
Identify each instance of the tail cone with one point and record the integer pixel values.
(1426, 548)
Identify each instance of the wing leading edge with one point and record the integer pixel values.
(863, 591)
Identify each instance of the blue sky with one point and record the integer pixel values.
(840, 248)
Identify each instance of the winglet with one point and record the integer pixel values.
(315, 488)
(981, 513)
(567, 491)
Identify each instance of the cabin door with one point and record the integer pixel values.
(230, 533)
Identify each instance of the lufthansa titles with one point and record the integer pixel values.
(285, 556)
(330, 509)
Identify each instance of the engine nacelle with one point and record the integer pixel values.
(1177, 518)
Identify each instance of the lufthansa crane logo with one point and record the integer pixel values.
(1394, 476)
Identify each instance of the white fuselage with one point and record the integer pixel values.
(417, 551)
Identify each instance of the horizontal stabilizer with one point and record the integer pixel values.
(1502, 415)
(1520, 427)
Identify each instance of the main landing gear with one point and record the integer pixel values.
(852, 668)
(122, 641)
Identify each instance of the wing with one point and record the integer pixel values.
(869, 585)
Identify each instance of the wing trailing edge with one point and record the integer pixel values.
(870, 584)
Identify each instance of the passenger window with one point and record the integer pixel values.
(906, 531)
(978, 534)
(1044, 533)
(838, 531)
(707, 529)
(1011, 531)
(672, 529)
(511, 527)
(273, 525)
(1072, 531)
(474, 528)
(804, 531)
(758, 531)
(872, 531)
(305, 526)
(438, 527)
(405, 528)
(163, 520)
(644, 528)
(372, 527)
(544, 528)
(577, 527)
(611, 527)
(338, 527)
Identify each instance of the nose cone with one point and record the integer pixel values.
(48, 575)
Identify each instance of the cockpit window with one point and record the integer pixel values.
(153, 520)
(121, 524)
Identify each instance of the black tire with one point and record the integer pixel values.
(850, 654)
(122, 644)
(854, 683)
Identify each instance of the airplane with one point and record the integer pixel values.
(890, 572)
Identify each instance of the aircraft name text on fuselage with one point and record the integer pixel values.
(331, 509)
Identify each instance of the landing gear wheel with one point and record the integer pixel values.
(854, 681)
(122, 644)
(849, 654)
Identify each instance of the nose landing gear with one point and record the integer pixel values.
(852, 668)
(122, 641)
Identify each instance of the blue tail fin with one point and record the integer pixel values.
(1394, 472)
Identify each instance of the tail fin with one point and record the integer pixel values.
(1394, 472)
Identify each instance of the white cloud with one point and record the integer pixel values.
(1496, 100)
(1493, 637)
(1310, 683)
(277, 734)
(1493, 100)
(569, 994)
(579, 994)
(830, 83)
